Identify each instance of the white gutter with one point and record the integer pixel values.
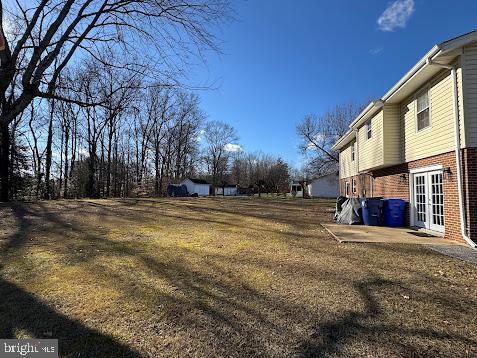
(415, 69)
(434, 52)
(344, 138)
(463, 226)
(352, 127)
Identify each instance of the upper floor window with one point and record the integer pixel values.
(353, 154)
(423, 120)
(369, 130)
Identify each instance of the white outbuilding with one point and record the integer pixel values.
(197, 186)
(226, 190)
(296, 189)
(326, 186)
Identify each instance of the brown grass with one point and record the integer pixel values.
(223, 277)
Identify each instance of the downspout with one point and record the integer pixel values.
(463, 225)
(356, 154)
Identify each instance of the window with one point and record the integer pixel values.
(369, 130)
(422, 110)
(353, 186)
(296, 187)
(347, 188)
(353, 151)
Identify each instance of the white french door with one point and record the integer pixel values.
(428, 200)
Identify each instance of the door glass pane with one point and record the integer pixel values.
(420, 189)
(437, 199)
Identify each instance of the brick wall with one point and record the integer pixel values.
(393, 182)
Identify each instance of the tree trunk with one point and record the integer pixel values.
(4, 161)
(115, 181)
(61, 163)
(65, 189)
(108, 168)
(90, 188)
(49, 142)
(156, 168)
(100, 182)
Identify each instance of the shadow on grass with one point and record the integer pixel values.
(215, 300)
(330, 338)
(21, 311)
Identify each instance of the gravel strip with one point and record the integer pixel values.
(459, 252)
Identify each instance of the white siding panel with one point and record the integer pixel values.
(325, 187)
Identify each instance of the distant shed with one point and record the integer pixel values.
(197, 186)
(226, 190)
(327, 186)
(296, 189)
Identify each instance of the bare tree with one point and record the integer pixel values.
(117, 92)
(47, 36)
(318, 133)
(218, 136)
(160, 107)
(279, 176)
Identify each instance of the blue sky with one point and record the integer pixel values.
(285, 59)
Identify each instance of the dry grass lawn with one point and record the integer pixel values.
(223, 277)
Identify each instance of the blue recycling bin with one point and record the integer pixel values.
(394, 212)
(372, 212)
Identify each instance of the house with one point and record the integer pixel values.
(418, 142)
(296, 189)
(226, 190)
(326, 186)
(197, 186)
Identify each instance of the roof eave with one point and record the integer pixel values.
(345, 139)
(423, 62)
(437, 50)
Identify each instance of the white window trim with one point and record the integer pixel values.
(368, 128)
(354, 186)
(427, 89)
(353, 152)
(347, 187)
(412, 172)
(426, 169)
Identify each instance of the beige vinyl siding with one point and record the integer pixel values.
(469, 84)
(348, 167)
(460, 96)
(392, 135)
(439, 137)
(371, 150)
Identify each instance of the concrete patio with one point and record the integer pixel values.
(379, 234)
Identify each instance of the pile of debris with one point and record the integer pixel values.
(348, 211)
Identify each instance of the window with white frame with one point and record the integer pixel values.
(353, 186)
(422, 110)
(353, 146)
(369, 130)
(347, 188)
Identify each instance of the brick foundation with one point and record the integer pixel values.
(393, 182)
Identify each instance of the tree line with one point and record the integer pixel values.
(91, 91)
(136, 143)
(94, 100)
